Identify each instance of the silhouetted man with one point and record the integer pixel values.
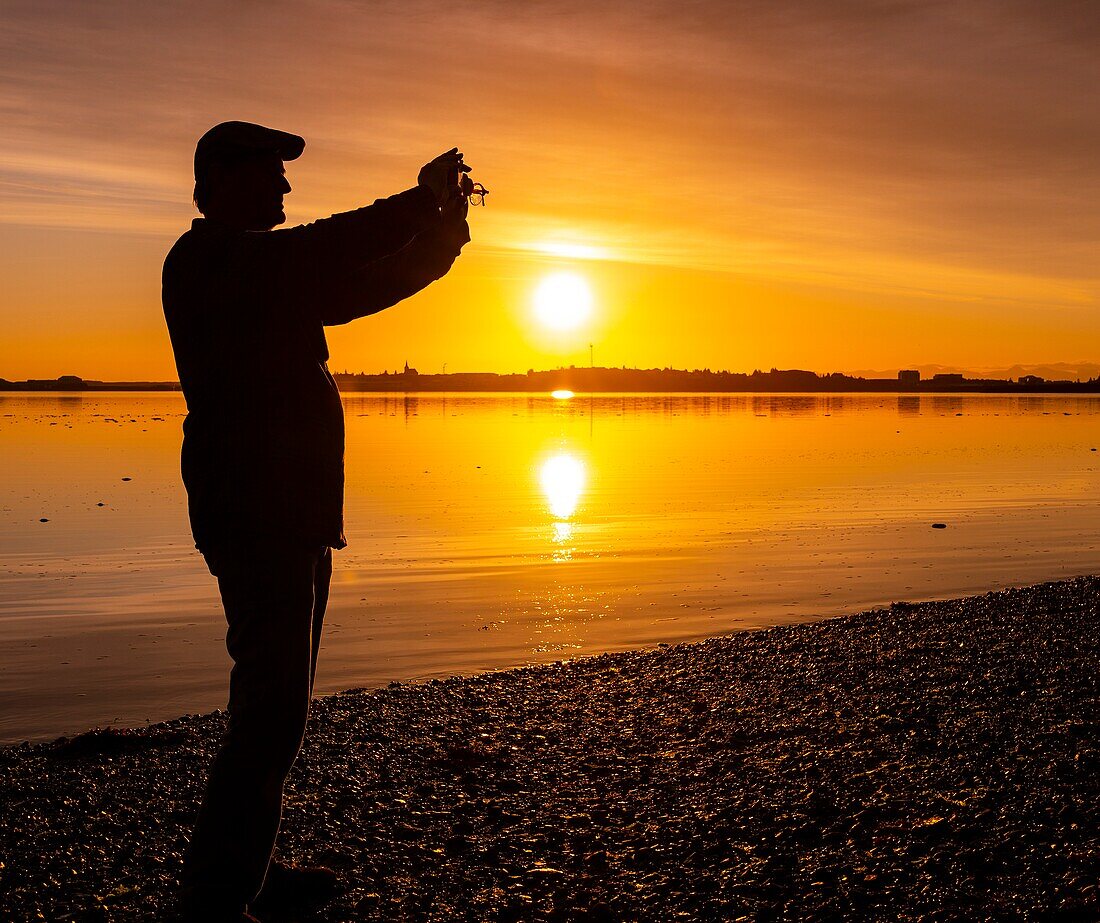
(262, 461)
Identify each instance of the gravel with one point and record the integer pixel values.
(923, 762)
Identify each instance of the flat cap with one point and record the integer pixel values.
(229, 138)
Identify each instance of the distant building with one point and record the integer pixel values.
(948, 378)
(909, 378)
(409, 371)
(1031, 379)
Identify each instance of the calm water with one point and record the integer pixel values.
(493, 530)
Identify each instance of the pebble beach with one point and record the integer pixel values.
(931, 761)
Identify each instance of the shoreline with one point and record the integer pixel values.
(1046, 389)
(935, 758)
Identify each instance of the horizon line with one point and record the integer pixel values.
(409, 372)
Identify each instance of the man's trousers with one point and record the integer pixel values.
(274, 603)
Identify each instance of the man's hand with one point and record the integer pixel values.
(454, 221)
(455, 209)
(436, 175)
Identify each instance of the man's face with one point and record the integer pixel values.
(251, 192)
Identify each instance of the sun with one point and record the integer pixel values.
(563, 301)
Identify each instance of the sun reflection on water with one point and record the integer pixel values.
(563, 532)
(562, 477)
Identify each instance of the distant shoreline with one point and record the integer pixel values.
(23, 386)
(595, 380)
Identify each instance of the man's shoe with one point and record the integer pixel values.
(213, 917)
(295, 886)
(194, 910)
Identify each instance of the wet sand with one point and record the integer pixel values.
(931, 761)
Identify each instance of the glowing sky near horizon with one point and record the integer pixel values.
(826, 185)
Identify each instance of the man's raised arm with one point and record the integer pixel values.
(347, 241)
(387, 281)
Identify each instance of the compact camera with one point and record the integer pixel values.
(472, 192)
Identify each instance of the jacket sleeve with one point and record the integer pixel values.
(349, 240)
(385, 282)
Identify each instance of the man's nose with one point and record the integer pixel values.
(284, 186)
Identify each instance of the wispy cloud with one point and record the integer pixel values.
(782, 138)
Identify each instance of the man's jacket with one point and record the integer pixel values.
(263, 447)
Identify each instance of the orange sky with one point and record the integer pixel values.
(826, 185)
